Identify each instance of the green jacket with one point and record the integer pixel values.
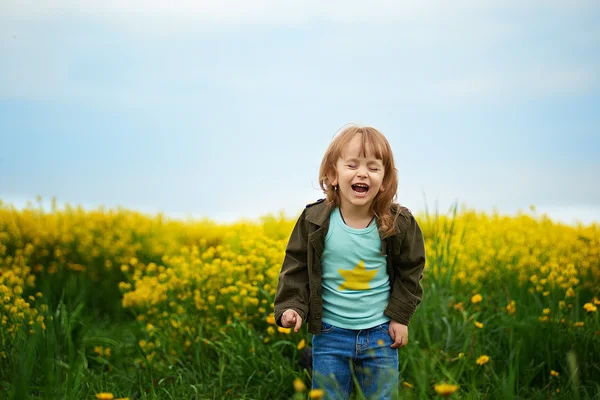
(299, 286)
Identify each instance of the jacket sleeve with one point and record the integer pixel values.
(407, 291)
(293, 285)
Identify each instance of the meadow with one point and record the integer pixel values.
(115, 304)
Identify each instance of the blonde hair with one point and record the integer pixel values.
(373, 142)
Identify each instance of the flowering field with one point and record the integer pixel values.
(116, 304)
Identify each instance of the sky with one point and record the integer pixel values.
(224, 109)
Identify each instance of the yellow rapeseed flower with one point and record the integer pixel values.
(578, 324)
(561, 304)
(511, 307)
(483, 360)
(546, 311)
(287, 331)
(554, 373)
(271, 319)
(478, 324)
(589, 307)
(299, 385)
(105, 396)
(570, 292)
(445, 389)
(476, 298)
(302, 344)
(316, 394)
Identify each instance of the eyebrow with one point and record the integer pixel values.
(371, 161)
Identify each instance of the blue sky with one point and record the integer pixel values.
(224, 109)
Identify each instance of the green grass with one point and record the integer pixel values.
(60, 363)
(235, 362)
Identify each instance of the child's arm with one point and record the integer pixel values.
(293, 287)
(407, 291)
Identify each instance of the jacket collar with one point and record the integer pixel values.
(318, 213)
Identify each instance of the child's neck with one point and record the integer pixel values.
(356, 217)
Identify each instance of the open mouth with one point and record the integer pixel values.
(360, 188)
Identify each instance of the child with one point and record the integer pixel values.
(352, 269)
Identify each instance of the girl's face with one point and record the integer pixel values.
(359, 178)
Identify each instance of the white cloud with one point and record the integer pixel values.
(529, 81)
(460, 32)
(273, 11)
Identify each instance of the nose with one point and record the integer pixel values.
(362, 172)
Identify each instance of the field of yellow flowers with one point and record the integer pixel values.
(111, 303)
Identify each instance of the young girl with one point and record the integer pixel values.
(352, 269)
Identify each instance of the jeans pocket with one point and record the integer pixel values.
(385, 328)
(326, 328)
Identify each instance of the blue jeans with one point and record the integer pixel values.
(339, 354)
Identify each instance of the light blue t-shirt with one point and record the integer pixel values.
(356, 285)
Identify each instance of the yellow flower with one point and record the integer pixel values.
(316, 394)
(546, 311)
(461, 355)
(578, 324)
(561, 304)
(511, 307)
(445, 389)
(105, 396)
(301, 344)
(408, 385)
(299, 386)
(476, 298)
(271, 319)
(478, 324)
(570, 292)
(284, 330)
(596, 301)
(483, 360)
(554, 373)
(543, 318)
(589, 307)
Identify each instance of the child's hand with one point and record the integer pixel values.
(291, 318)
(399, 334)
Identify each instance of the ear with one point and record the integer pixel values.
(332, 176)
